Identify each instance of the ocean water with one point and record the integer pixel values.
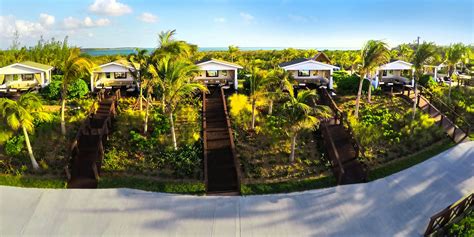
(127, 51)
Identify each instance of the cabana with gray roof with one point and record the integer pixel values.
(213, 71)
(24, 76)
(393, 73)
(308, 71)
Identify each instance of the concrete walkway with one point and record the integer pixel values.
(399, 205)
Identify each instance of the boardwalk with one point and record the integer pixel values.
(88, 146)
(398, 205)
(221, 172)
(453, 131)
(340, 146)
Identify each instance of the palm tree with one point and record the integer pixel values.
(232, 51)
(355, 61)
(279, 81)
(73, 67)
(22, 114)
(300, 115)
(422, 56)
(454, 54)
(169, 46)
(405, 52)
(258, 81)
(374, 53)
(139, 63)
(173, 78)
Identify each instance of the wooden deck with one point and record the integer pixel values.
(342, 149)
(221, 174)
(87, 150)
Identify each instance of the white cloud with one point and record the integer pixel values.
(220, 19)
(73, 23)
(247, 17)
(148, 17)
(109, 8)
(9, 25)
(46, 20)
(302, 19)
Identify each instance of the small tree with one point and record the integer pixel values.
(233, 51)
(373, 54)
(279, 80)
(258, 81)
(139, 63)
(423, 54)
(22, 114)
(73, 67)
(173, 80)
(454, 55)
(300, 115)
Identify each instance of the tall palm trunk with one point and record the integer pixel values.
(30, 150)
(369, 93)
(270, 108)
(141, 98)
(359, 94)
(173, 134)
(145, 126)
(293, 145)
(63, 121)
(253, 114)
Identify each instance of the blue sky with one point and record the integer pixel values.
(246, 23)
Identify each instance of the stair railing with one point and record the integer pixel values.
(231, 138)
(204, 139)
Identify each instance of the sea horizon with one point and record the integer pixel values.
(128, 50)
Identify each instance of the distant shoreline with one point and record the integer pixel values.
(128, 50)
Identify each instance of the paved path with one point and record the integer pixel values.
(399, 205)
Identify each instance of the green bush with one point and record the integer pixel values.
(53, 90)
(31, 181)
(465, 227)
(184, 161)
(427, 81)
(78, 89)
(151, 185)
(348, 84)
(15, 145)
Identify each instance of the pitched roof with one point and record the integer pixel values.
(396, 65)
(203, 61)
(36, 65)
(323, 55)
(304, 60)
(294, 61)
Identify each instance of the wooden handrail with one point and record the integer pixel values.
(204, 139)
(231, 136)
(447, 215)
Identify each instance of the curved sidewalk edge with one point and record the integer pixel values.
(398, 205)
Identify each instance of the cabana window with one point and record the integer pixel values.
(224, 73)
(212, 73)
(303, 73)
(120, 75)
(107, 75)
(27, 77)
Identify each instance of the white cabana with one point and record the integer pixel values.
(113, 74)
(392, 73)
(24, 76)
(310, 71)
(213, 71)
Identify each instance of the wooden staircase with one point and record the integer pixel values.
(342, 148)
(87, 150)
(457, 132)
(220, 165)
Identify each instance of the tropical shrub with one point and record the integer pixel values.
(427, 81)
(14, 146)
(348, 84)
(53, 90)
(240, 110)
(78, 89)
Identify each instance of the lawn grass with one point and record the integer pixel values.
(151, 185)
(289, 186)
(407, 162)
(32, 181)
